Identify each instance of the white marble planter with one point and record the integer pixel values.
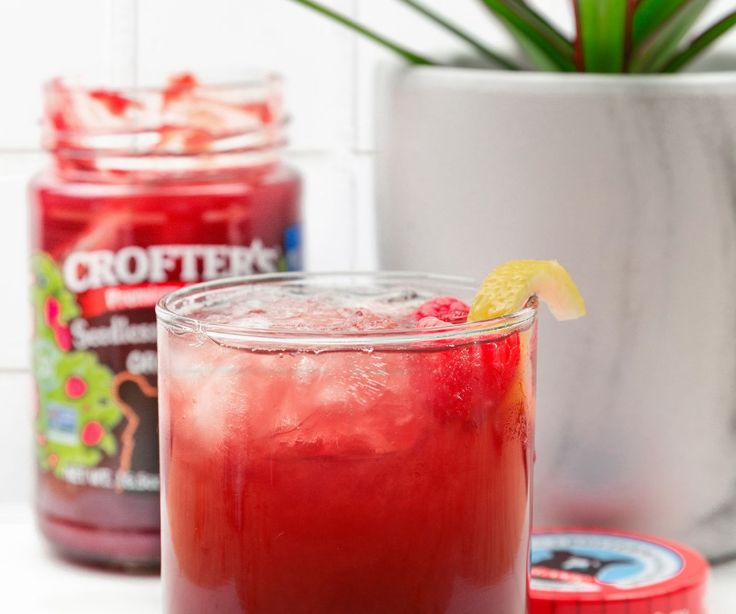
(631, 183)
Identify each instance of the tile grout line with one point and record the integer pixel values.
(123, 26)
(355, 110)
(136, 51)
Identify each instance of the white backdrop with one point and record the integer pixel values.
(330, 93)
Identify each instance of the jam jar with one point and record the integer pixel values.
(146, 190)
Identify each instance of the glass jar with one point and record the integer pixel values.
(148, 190)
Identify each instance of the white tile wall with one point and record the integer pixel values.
(15, 171)
(330, 92)
(16, 419)
(405, 26)
(40, 39)
(230, 36)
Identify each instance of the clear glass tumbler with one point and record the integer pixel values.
(321, 453)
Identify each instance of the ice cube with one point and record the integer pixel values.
(199, 381)
(348, 403)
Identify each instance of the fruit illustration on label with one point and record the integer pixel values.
(92, 433)
(75, 387)
(77, 409)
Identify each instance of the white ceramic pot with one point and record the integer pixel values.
(631, 183)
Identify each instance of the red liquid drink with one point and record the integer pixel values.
(328, 447)
(149, 191)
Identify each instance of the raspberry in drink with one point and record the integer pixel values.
(149, 190)
(344, 444)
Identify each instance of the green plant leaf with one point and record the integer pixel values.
(402, 51)
(484, 50)
(700, 43)
(650, 15)
(602, 34)
(546, 47)
(656, 50)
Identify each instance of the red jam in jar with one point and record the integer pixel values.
(148, 190)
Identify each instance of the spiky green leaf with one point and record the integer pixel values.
(484, 50)
(602, 34)
(545, 46)
(657, 49)
(650, 15)
(402, 51)
(701, 43)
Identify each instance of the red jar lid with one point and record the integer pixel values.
(608, 572)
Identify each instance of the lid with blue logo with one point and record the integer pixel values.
(608, 572)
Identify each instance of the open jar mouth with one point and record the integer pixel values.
(191, 309)
(184, 125)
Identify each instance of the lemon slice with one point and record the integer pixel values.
(508, 288)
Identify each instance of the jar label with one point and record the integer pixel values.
(94, 351)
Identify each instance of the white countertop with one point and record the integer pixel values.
(34, 582)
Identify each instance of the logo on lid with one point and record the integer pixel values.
(580, 562)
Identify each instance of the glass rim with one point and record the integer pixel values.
(222, 332)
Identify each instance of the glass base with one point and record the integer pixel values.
(137, 551)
